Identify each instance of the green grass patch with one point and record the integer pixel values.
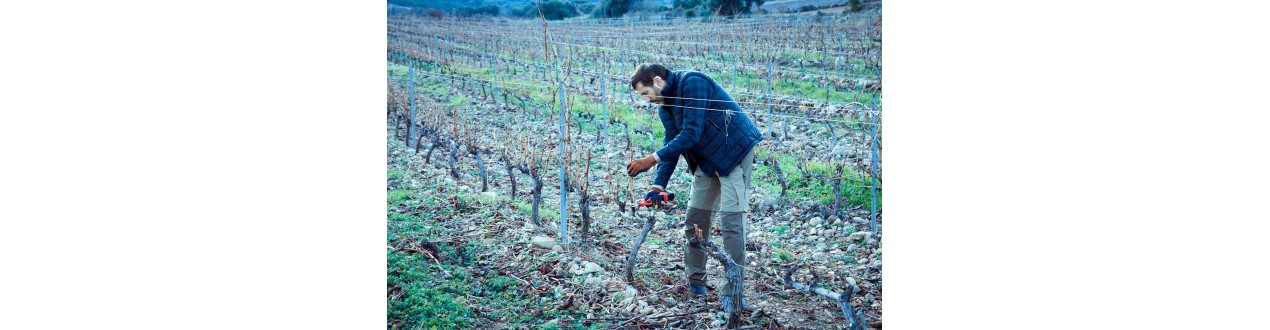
(545, 211)
(501, 283)
(780, 230)
(458, 100)
(420, 303)
(789, 87)
(400, 196)
(782, 255)
(394, 216)
(813, 188)
(397, 71)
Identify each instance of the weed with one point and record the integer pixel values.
(784, 256)
(780, 230)
(500, 284)
(399, 196)
(418, 304)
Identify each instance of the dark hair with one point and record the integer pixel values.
(645, 72)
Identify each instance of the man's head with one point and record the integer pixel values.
(649, 80)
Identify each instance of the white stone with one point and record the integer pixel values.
(859, 235)
(631, 292)
(613, 285)
(840, 151)
(587, 267)
(544, 242)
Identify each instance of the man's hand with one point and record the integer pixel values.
(655, 197)
(640, 165)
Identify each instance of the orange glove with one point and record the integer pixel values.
(640, 165)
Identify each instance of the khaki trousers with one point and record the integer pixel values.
(727, 195)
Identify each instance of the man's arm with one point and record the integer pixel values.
(696, 89)
(666, 166)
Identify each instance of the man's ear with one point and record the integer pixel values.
(657, 80)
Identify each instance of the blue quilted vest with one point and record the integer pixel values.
(703, 125)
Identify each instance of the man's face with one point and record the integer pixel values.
(652, 94)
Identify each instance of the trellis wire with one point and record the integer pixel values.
(589, 72)
(601, 74)
(783, 69)
(489, 83)
(498, 86)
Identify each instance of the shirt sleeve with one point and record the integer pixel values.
(666, 165)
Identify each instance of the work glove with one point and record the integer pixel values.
(655, 197)
(635, 167)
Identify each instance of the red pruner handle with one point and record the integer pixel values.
(664, 197)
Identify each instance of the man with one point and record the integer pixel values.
(705, 126)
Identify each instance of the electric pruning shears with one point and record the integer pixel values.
(656, 197)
